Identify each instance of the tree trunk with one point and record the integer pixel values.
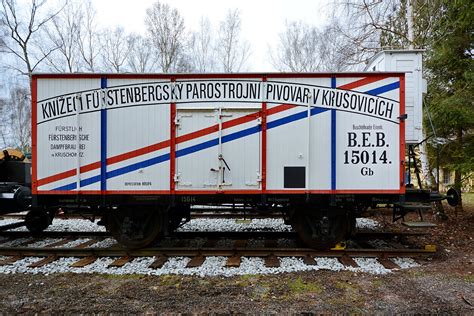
(458, 175)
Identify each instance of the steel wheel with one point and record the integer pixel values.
(134, 228)
(318, 230)
(37, 221)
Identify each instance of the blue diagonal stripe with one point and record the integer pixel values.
(383, 89)
(138, 165)
(287, 119)
(198, 147)
(193, 149)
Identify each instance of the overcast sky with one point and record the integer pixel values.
(262, 20)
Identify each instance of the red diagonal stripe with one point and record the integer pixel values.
(361, 82)
(164, 144)
(279, 108)
(138, 152)
(196, 134)
(57, 177)
(67, 174)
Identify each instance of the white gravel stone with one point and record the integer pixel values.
(330, 264)
(371, 265)
(405, 263)
(175, 265)
(42, 243)
(198, 224)
(77, 242)
(15, 242)
(60, 224)
(367, 223)
(106, 243)
(83, 225)
(225, 224)
(7, 221)
(212, 266)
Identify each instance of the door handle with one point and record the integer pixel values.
(225, 162)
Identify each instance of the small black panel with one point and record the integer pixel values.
(294, 178)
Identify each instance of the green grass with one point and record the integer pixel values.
(469, 278)
(170, 280)
(298, 286)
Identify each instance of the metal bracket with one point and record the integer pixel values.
(403, 117)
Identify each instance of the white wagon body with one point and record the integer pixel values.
(218, 134)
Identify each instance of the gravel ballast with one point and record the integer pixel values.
(212, 266)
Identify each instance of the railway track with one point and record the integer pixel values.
(198, 255)
(240, 247)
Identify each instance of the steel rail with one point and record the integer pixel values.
(205, 234)
(208, 252)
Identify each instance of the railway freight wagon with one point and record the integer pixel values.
(141, 149)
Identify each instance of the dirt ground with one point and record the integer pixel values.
(443, 284)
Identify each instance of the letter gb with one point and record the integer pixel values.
(366, 171)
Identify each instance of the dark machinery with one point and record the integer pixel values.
(15, 181)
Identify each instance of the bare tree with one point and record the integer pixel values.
(333, 49)
(370, 25)
(89, 37)
(116, 46)
(15, 113)
(64, 33)
(299, 49)
(232, 51)
(3, 127)
(361, 22)
(3, 35)
(201, 47)
(142, 55)
(166, 30)
(184, 63)
(23, 28)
